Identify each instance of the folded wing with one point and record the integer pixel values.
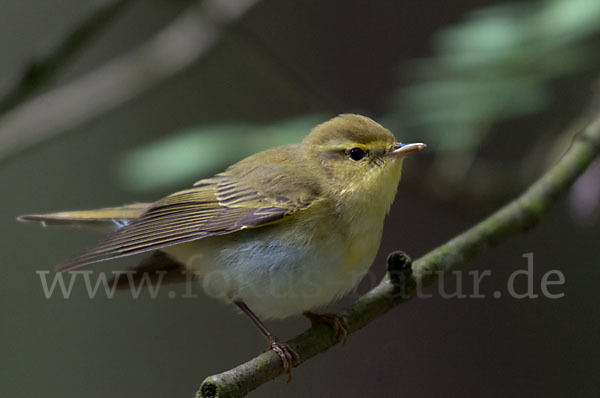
(242, 197)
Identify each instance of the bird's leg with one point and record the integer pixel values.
(285, 352)
(335, 322)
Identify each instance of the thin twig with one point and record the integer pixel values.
(169, 52)
(517, 216)
(43, 70)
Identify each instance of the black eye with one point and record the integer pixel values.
(356, 154)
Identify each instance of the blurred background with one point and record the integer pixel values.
(108, 102)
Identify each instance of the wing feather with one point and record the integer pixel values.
(226, 203)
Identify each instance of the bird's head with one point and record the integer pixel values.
(357, 158)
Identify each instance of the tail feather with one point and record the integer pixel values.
(157, 268)
(109, 216)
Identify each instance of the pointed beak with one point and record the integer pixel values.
(399, 150)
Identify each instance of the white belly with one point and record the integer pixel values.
(279, 276)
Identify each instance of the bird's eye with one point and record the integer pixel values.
(356, 154)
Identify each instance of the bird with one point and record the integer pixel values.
(287, 230)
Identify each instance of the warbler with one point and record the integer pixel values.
(286, 231)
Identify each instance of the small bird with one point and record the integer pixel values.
(280, 233)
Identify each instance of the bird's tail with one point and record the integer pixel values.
(106, 218)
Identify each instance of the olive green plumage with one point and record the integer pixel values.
(262, 189)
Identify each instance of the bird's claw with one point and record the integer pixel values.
(287, 354)
(335, 322)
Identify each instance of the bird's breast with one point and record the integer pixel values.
(280, 272)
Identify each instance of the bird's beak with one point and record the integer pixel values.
(399, 150)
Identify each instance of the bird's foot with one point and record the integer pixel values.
(286, 353)
(335, 322)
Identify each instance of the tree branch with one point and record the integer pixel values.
(401, 284)
(42, 70)
(169, 52)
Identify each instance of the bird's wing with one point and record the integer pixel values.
(221, 205)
